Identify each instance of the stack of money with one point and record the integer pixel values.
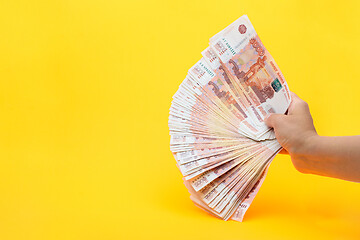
(219, 139)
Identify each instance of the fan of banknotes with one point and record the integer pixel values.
(219, 139)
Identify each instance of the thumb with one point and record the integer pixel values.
(273, 120)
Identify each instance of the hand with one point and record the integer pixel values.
(294, 131)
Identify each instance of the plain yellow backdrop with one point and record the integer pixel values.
(85, 91)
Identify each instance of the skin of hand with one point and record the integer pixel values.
(294, 131)
(337, 157)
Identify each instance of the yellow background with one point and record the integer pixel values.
(85, 92)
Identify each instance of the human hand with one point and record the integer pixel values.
(295, 131)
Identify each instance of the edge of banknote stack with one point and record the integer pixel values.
(219, 139)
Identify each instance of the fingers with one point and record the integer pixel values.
(298, 106)
(294, 96)
(273, 120)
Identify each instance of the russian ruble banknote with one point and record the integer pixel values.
(219, 139)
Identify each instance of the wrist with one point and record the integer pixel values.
(310, 144)
(302, 155)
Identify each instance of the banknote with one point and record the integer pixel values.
(252, 67)
(218, 137)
